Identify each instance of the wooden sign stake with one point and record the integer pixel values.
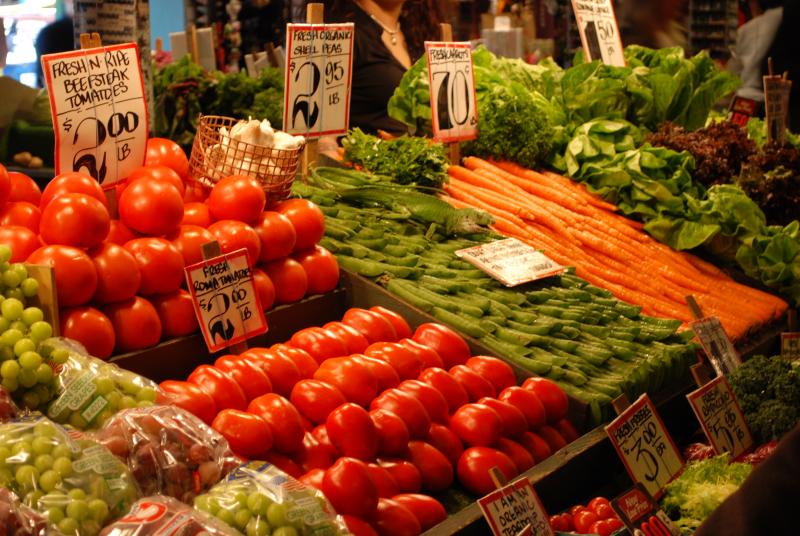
(192, 45)
(209, 251)
(92, 40)
(694, 307)
(453, 149)
(621, 403)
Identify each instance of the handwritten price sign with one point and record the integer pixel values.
(511, 261)
(642, 515)
(597, 26)
(318, 75)
(452, 85)
(225, 300)
(717, 345)
(644, 446)
(721, 417)
(99, 111)
(515, 510)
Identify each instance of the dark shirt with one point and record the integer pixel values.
(55, 37)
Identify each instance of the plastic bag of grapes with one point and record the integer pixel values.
(77, 484)
(168, 450)
(18, 519)
(91, 391)
(8, 410)
(258, 499)
(165, 516)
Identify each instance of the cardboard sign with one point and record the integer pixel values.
(721, 417)
(511, 261)
(515, 509)
(99, 111)
(319, 70)
(717, 345)
(790, 345)
(776, 99)
(454, 106)
(644, 446)
(225, 300)
(599, 32)
(742, 110)
(642, 514)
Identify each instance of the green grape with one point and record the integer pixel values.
(27, 377)
(241, 518)
(103, 385)
(63, 466)
(258, 503)
(145, 404)
(9, 369)
(43, 462)
(127, 402)
(44, 429)
(89, 527)
(147, 394)
(6, 353)
(42, 445)
(61, 450)
(226, 516)
(285, 531)
(49, 480)
(5, 253)
(257, 527)
(113, 399)
(26, 475)
(11, 279)
(14, 293)
(10, 385)
(68, 526)
(54, 515)
(20, 270)
(78, 509)
(76, 494)
(5, 265)
(44, 374)
(203, 502)
(40, 331)
(19, 325)
(4, 324)
(33, 498)
(10, 336)
(30, 400)
(6, 478)
(5, 452)
(241, 499)
(28, 358)
(29, 287)
(31, 315)
(11, 309)
(21, 447)
(277, 514)
(77, 421)
(103, 417)
(59, 357)
(129, 386)
(98, 509)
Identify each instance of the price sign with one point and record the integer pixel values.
(776, 102)
(225, 300)
(511, 261)
(721, 417)
(99, 111)
(742, 110)
(515, 509)
(318, 74)
(644, 446)
(599, 32)
(642, 514)
(454, 107)
(790, 345)
(717, 345)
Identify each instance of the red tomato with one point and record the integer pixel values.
(158, 173)
(313, 454)
(284, 463)
(583, 520)
(446, 442)
(431, 399)
(498, 372)
(276, 234)
(320, 433)
(75, 220)
(391, 431)
(401, 328)
(558, 523)
(119, 234)
(577, 508)
(601, 528)
(554, 400)
(319, 343)
(313, 478)
(282, 372)
(237, 198)
(264, 288)
(233, 235)
(160, 264)
(349, 488)
(315, 400)
(21, 240)
(436, 471)
(476, 425)
(407, 364)
(322, 270)
(552, 437)
(393, 519)
(307, 220)
(474, 384)
(89, 327)
(305, 364)
(283, 418)
(118, 276)
(512, 419)
(176, 311)
(385, 483)
(384, 374)
(537, 446)
(428, 511)
(5, 184)
(352, 432)
(405, 473)
(527, 402)
(248, 435)
(196, 193)
(407, 408)
(450, 346)
(308, 426)
(567, 517)
(475, 464)
(354, 379)
(603, 511)
(220, 385)
(355, 342)
(189, 397)
(614, 524)
(22, 214)
(151, 207)
(358, 527)
(248, 374)
(23, 188)
(599, 501)
(164, 152)
(76, 277)
(428, 355)
(370, 324)
(72, 182)
(289, 279)
(567, 431)
(196, 214)
(523, 460)
(188, 239)
(442, 381)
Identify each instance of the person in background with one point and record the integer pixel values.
(783, 52)
(55, 37)
(753, 40)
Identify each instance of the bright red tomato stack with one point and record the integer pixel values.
(120, 281)
(597, 517)
(374, 416)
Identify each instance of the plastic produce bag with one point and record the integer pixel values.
(165, 516)
(257, 499)
(8, 410)
(76, 483)
(18, 520)
(168, 450)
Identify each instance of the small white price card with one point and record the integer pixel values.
(642, 514)
(599, 32)
(776, 105)
(99, 111)
(644, 446)
(511, 261)
(225, 300)
(454, 107)
(318, 73)
(717, 345)
(790, 345)
(721, 417)
(515, 510)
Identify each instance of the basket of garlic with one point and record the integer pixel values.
(224, 146)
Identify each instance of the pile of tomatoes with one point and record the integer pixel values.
(376, 417)
(597, 517)
(120, 280)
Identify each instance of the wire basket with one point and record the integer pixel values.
(216, 155)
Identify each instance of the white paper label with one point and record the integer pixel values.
(511, 261)
(454, 107)
(599, 32)
(776, 97)
(515, 510)
(717, 345)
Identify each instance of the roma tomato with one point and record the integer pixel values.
(552, 437)
(276, 234)
(253, 381)
(554, 400)
(320, 433)
(601, 528)
(176, 312)
(405, 473)
(151, 207)
(393, 519)
(391, 432)
(527, 402)
(583, 520)
(407, 363)
(237, 198)
(596, 502)
(614, 524)
(283, 418)
(136, 324)
(284, 463)
(119, 233)
(319, 343)
(23, 188)
(22, 214)
(313, 478)
(523, 460)
(407, 408)
(475, 464)
(473, 383)
(264, 288)
(187, 240)
(76, 277)
(567, 430)
(160, 264)
(428, 355)
(558, 523)
(71, 182)
(322, 270)
(315, 400)
(248, 435)
(305, 364)
(498, 372)
(358, 527)
(476, 425)
(89, 327)
(442, 381)
(428, 511)
(385, 483)
(370, 324)
(118, 276)
(352, 432)
(602, 509)
(401, 328)
(196, 214)
(354, 379)
(384, 374)
(157, 173)
(21, 240)
(537, 446)
(189, 397)
(355, 342)
(164, 152)
(446, 442)
(281, 370)
(450, 346)
(289, 279)
(233, 235)
(313, 454)
(435, 469)
(349, 488)
(431, 399)
(511, 418)
(307, 220)
(74, 220)
(220, 386)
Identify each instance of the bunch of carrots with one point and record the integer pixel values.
(576, 228)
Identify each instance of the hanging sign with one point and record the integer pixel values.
(515, 510)
(318, 74)
(511, 261)
(717, 345)
(225, 300)
(454, 106)
(599, 32)
(642, 515)
(99, 111)
(721, 417)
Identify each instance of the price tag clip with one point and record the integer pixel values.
(714, 340)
